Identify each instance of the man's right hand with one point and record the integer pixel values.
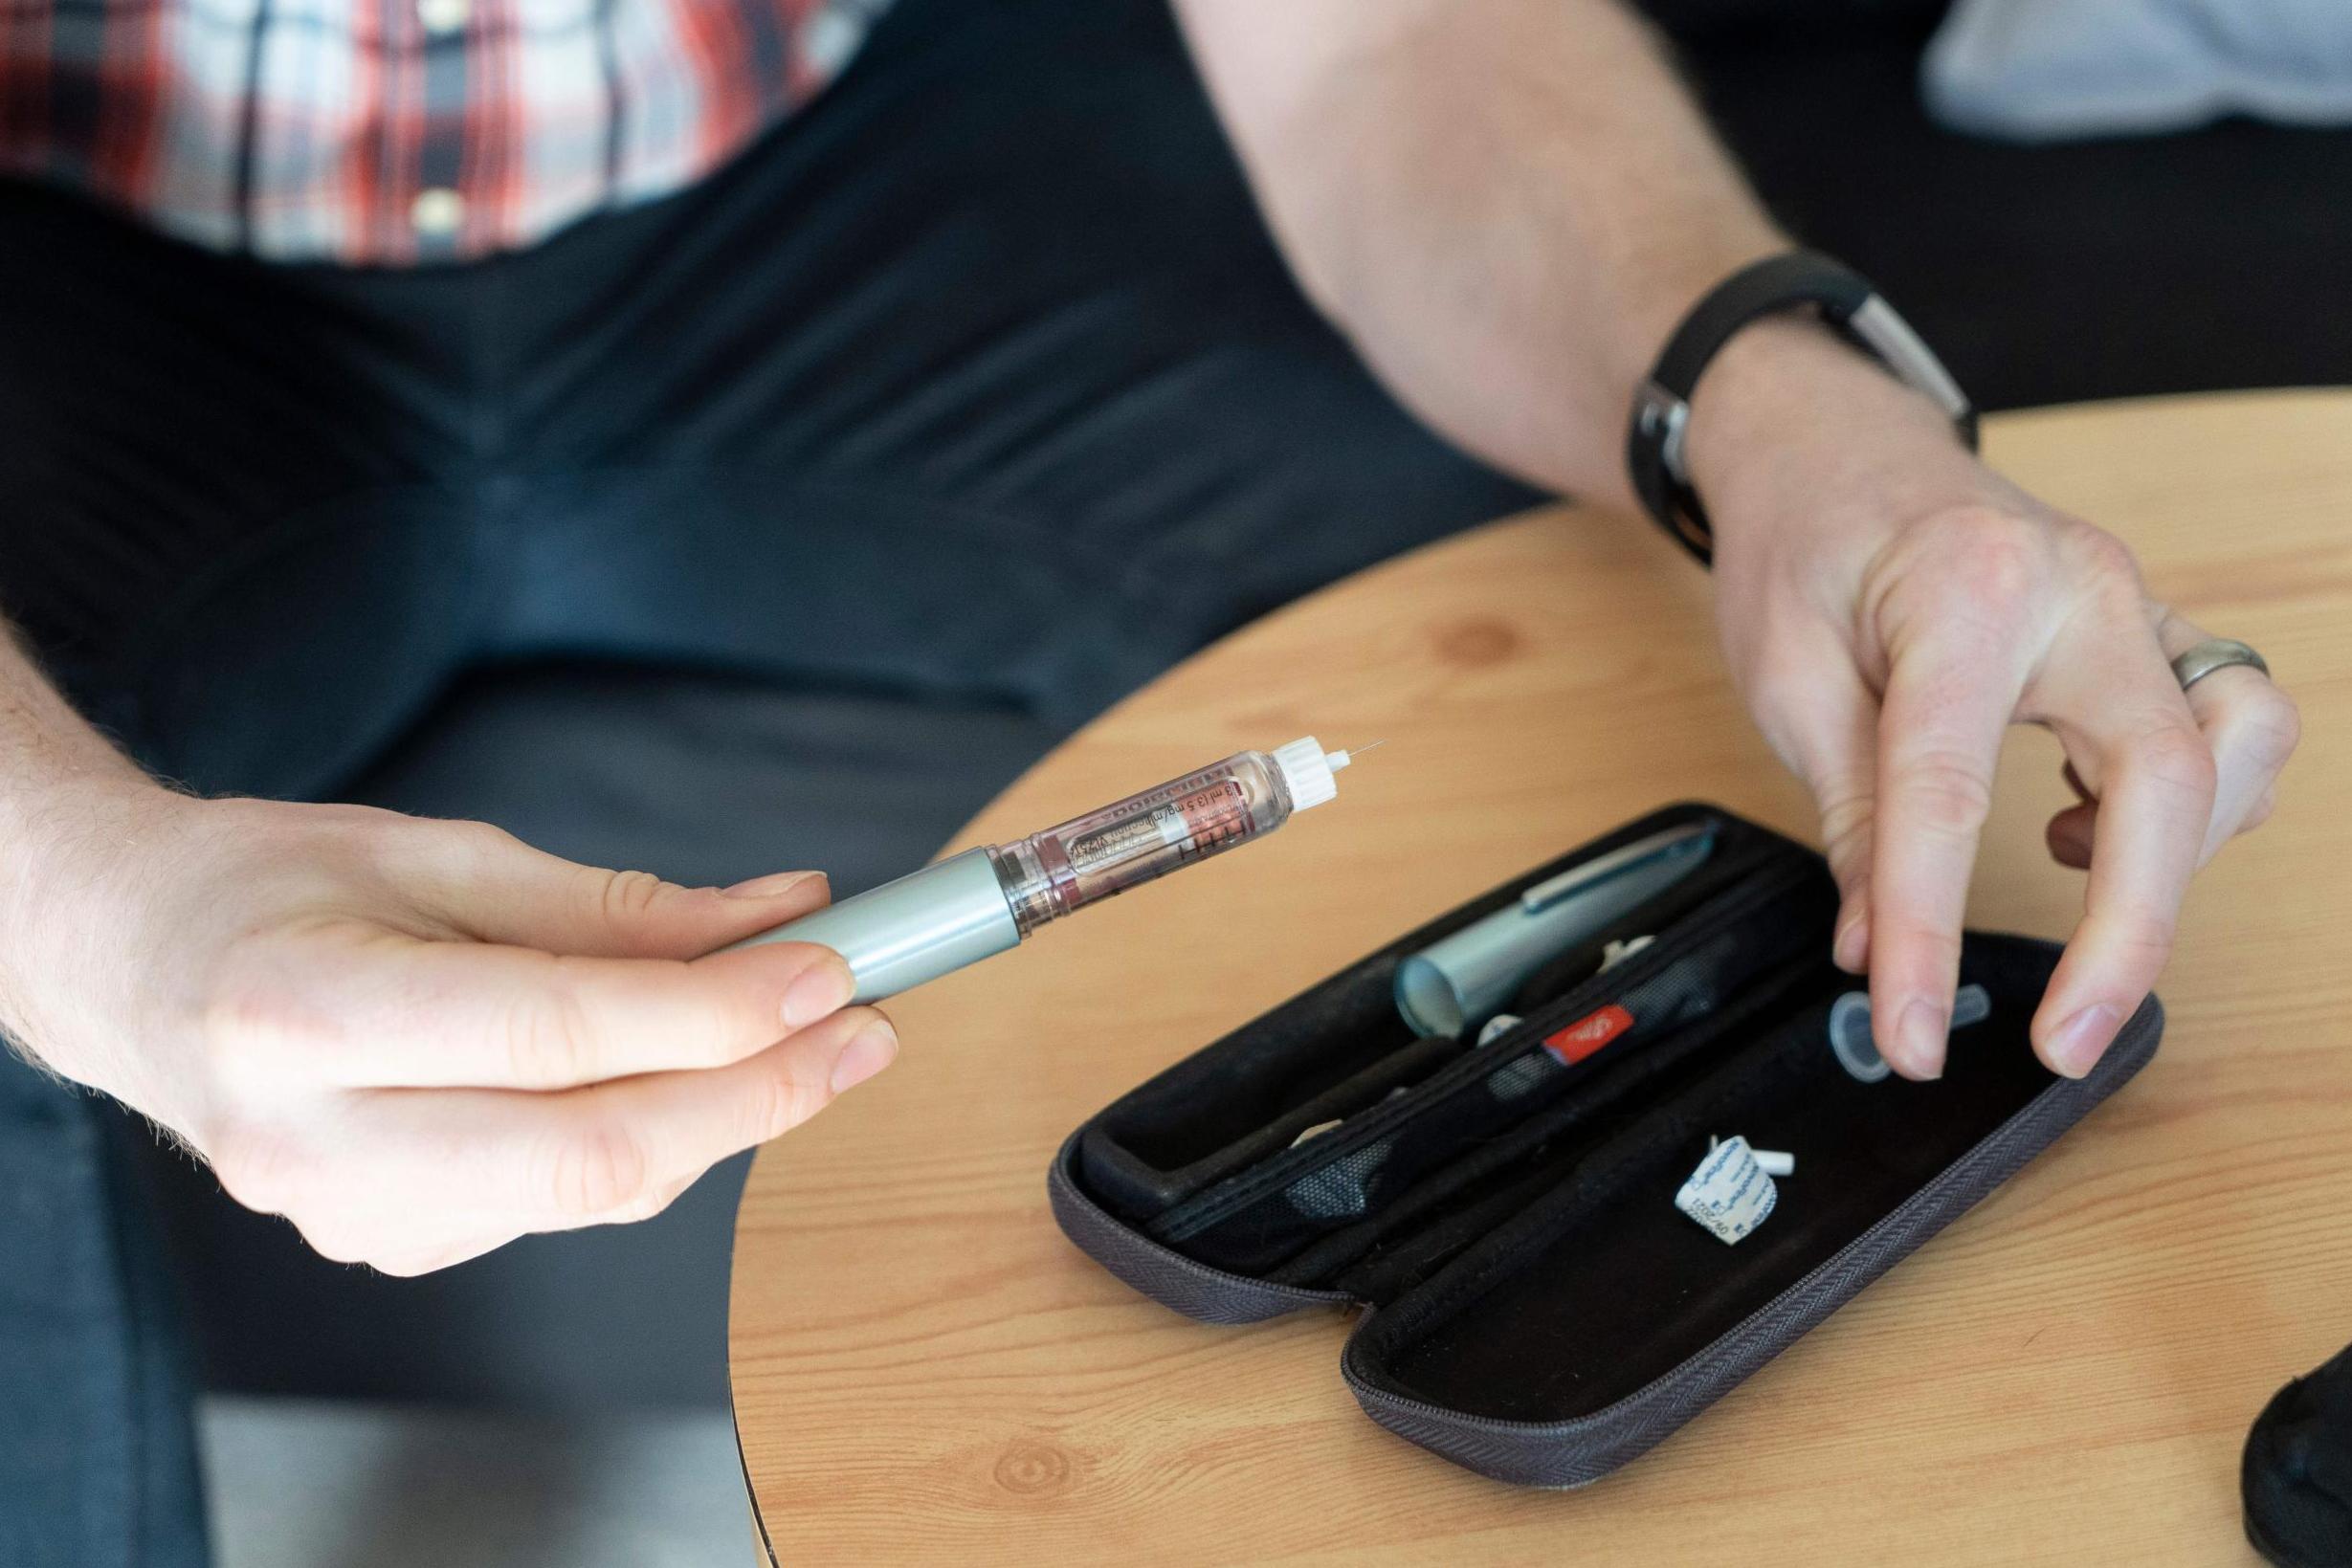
(417, 1040)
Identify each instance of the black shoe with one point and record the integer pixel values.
(2297, 1478)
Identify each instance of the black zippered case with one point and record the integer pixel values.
(1539, 1310)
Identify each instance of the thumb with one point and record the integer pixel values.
(494, 888)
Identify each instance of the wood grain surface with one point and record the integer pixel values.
(926, 1371)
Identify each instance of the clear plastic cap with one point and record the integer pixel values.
(1850, 1030)
(1307, 770)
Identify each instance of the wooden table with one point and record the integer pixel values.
(924, 1370)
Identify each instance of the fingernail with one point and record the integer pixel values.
(775, 885)
(874, 1048)
(1918, 1038)
(1846, 949)
(823, 987)
(2074, 1050)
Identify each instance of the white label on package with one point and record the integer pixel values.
(1729, 1193)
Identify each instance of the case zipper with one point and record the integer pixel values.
(1369, 1394)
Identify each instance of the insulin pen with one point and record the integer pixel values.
(1465, 977)
(976, 904)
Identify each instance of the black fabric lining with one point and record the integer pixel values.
(1580, 1450)
(1603, 1287)
(1387, 1253)
(1240, 1103)
(1265, 1215)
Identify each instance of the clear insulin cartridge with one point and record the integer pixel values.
(973, 905)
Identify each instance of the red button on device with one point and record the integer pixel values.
(1588, 1034)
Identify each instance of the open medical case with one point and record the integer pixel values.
(1540, 1311)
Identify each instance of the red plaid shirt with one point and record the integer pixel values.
(393, 131)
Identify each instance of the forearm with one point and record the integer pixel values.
(1506, 205)
(65, 794)
(47, 750)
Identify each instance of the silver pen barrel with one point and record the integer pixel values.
(918, 928)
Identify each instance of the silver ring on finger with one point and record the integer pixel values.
(2213, 653)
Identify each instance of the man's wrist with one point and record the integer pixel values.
(1791, 421)
(76, 868)
(61, 838)
(53, 825)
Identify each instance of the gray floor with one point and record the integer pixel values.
(312, 1484)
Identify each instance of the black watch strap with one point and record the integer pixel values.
(1845, 301)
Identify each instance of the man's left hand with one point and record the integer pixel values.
(1889, 606)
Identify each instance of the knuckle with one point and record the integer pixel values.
(548, 1040)
(2142, 939)
(369, 828)
(2104, 559)
(2177, 761)
(410, 1261)
(339, 1243)
(1990, 556)
(1844, 836)
(485, 837)
(725, 1032)
(1782, 674)
(777, 1105)
(262, 1168)
(1845, 806)
(623, 898)
(1946, 793)
(467, 846)
(597, 1168)
(409, 1265)
(2272, 727)
(649, 1206)
(256, 1025)
(233, 1016)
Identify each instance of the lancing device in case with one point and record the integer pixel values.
(977, 904)
(1472, 973)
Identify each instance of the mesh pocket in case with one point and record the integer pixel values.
(1542, 1311)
